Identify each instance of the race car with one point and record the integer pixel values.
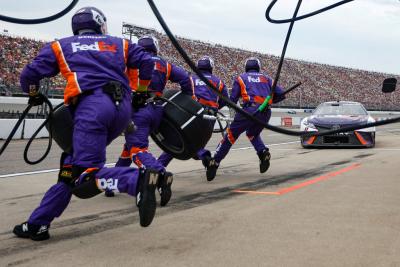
(335, 115)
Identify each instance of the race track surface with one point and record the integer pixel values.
(332, 207)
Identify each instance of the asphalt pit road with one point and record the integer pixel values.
(25, 196)
(338, 163)
(105, 221)
(78, 220)
(363, 156)
(306, 152)
(19, 262)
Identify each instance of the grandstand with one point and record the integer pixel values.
(321, 82)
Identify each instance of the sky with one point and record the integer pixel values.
(364, 34)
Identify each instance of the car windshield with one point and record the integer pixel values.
(340, 109)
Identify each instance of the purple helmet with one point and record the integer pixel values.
(149, 43)
(89, 18)
(253, 63)
(205, 63)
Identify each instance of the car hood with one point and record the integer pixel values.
(337, 119)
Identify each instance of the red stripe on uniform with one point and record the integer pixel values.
(208, 103)
(144, 82)
(221, 86)
(72, 88)
(125, 154)
(169, 68)
(259, 99)
(229, 134)
(243, 90)
(126, 50)
(135, 150)
(133, 77)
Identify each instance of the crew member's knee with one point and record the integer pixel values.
(86, 186)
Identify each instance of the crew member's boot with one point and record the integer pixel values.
(146, 197)
(164, 187)
(264, 157)
(206, 160)
(212, 168)
(34, 232)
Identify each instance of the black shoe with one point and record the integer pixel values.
(146, 197)
(206, 161)
(109, 193)
(265, 157)
(34, 232)
(164, 187)
(211, 169)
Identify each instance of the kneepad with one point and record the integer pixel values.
(66, 174)
(87, 187)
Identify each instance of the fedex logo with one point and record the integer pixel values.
(199, 82)
(97, 46)
(160, 67)
(259, 79)
(111, 184)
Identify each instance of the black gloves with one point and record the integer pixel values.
(35, 97)
(139, 100)
(36, 100)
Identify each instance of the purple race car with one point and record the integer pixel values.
(334, 115)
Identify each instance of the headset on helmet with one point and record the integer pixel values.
(149, 43)
(89, 18)
(205, 63)
(253, 63)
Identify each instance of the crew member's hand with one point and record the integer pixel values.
(35, 97)
(139, 100)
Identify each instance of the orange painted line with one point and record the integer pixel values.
(318, 179)
(301, 185)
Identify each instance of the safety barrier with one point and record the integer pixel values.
(25, 131)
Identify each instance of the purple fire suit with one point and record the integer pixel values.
(209, 100)
(148, 118)
(88, 62)
(253, 87)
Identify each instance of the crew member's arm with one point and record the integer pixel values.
(192, 88)
(140, 59)
(235, 90)
(224, 91)
(179, 75)
(43, 65)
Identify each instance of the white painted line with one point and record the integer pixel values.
(112, 164)
(28, 173)
(250, 147)
(38, 172)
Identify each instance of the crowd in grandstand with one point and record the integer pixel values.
(15, 53)
(320, 82)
